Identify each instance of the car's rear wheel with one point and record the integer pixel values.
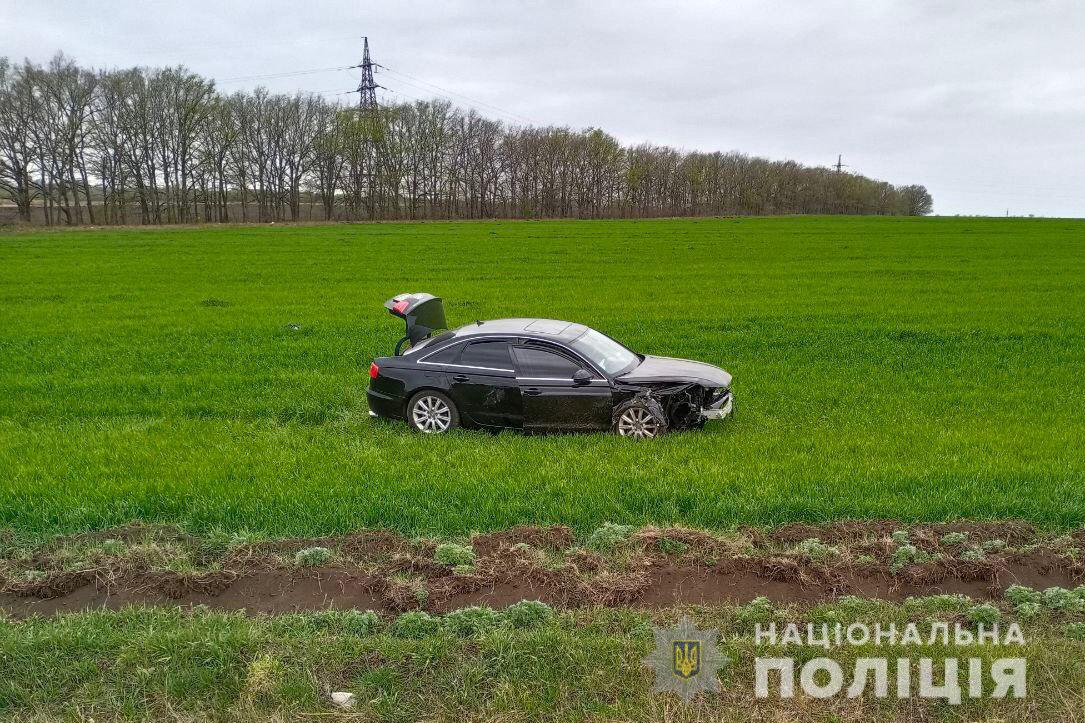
(432, 413)
(639, 421)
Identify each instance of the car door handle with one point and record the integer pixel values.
(532, 392)
(461, 378)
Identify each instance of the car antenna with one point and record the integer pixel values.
(478, 322)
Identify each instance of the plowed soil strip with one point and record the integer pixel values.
(287, 590)
(389, 574)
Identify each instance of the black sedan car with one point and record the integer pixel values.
(538, 375)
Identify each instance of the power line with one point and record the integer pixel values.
(1009, 193)
(367, 86)
(426, 91)
(400, 92)
(234, 44)
(333, 91)
(433, 94)
(468, 98)
(429, 87)
(1003, 186)
(286, 74)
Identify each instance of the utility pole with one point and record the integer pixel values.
(367, 88)
(840, 166)
(363, 167)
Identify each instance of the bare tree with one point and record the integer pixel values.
(162, 146)
(17, 151)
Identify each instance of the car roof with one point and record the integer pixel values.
(538, 328)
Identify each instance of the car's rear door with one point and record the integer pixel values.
(482, 383)
(552, 400)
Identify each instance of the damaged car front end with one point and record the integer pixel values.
(663, 394)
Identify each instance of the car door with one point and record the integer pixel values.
(482, 383)
(552, 399)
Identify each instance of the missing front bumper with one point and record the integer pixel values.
(721, 410)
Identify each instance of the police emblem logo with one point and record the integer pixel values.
(686, 660)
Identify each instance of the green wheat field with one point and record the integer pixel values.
(214, 377)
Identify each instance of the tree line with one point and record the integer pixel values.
(163, 145)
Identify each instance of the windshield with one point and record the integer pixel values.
(605, 353)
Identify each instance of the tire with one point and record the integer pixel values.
(640, 419)
(432, 412)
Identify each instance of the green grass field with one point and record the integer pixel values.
(923, 369)
(189, 667)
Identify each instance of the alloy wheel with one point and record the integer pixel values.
(431, 415)
(639, 423)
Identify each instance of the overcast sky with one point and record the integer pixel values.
(982, 101)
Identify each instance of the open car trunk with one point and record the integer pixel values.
(423, 314)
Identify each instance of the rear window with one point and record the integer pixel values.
(445, 356)
(487, 355)
(430, 342)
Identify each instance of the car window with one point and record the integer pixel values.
(607, 354)
(539, 363)
(432, 341)
(447, 355)
(487, 354)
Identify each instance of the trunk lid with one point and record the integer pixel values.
(423, 313)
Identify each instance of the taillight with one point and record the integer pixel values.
(374, 370)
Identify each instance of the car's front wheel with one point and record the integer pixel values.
(432, 412)
(640, 420)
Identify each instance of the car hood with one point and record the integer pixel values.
(666, 369)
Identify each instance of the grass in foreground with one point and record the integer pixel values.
(920, 369)
(144, 664)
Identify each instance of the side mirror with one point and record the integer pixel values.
(581, 376)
